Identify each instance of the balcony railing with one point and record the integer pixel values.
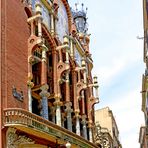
(17, 117)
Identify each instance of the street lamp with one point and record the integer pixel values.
(80, 19)
(68, 145)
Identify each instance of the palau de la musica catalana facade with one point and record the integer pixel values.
(47, 92)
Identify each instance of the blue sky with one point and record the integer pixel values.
(118, 61)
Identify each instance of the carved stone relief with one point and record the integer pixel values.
(14, 140)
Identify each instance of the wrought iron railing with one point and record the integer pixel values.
(22, 117)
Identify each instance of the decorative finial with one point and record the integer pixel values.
(86, 10)
(76, 4)
(82, 7)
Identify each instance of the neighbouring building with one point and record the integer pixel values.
(107, 130)
(143, 135)
(47, 92)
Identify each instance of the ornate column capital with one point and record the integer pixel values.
(30, 84)
(57, 102)
(30, 59)
(77, 111)
(84, 119)
(44, 92)
(68, 107)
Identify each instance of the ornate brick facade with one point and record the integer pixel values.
(47, 90)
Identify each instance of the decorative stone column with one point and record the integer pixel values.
(58, 105)
(84, 126)
(90, 131)
(83, 115)
(44, 102)
(52, 24)
(68, 111)
(30, 85)
(71, 49)
(38, 10)
(77, 116)
(68, 105)
(44, 88)
(83, 64)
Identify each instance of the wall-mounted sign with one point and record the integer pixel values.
(62, 23)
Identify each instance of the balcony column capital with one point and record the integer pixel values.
(44, 91)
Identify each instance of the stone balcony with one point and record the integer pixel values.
(37, 126)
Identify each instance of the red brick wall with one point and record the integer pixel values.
(15, 53)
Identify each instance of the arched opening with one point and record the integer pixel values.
(36, 106)
(28, 12)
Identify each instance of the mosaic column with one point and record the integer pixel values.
(44, 102)
(77, 116)
(68, 111)
(44, 88)
(58, 104)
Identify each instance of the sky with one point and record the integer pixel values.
(118, 61)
